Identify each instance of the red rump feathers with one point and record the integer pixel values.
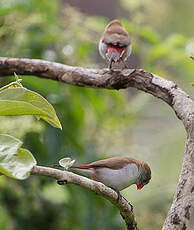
(115, 53)
(83, 166)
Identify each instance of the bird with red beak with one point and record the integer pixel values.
(117, 173)
(115, 44)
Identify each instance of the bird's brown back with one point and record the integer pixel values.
(114, 162)
(116, 34)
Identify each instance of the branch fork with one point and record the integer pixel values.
(183, 106)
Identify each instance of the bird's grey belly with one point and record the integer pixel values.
(118, 179)
(102, 49)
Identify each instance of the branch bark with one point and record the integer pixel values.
(167, 91)
(125, 208)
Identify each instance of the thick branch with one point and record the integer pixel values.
(78, 76)
(168, 91)
(124, 207)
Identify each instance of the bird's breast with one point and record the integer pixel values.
(118, 178)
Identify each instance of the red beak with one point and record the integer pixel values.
(139, 186)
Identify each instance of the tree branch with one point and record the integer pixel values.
(125, 208)
(78, 76)
(167, 91)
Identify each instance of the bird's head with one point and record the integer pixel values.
(115, 22)
(145, 175)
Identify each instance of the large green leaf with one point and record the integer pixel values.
(21, 101)
(15, 162)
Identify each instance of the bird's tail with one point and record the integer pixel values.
(113, 57)
(114, 53)
(85, 169)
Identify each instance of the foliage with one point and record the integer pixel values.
(15, 161)
(21, 101)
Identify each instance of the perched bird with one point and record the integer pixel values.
(115, 44)
(117, 172)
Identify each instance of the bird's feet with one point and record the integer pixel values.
(128, 203)
(110, 65)
(122, 197)
(119, 195)
(125, 65)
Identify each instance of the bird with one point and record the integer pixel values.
(117, 173)
(115, 43)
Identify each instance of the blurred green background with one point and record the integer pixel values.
(96, 123)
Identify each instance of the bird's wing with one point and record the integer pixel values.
(117, 39)
(114, 162)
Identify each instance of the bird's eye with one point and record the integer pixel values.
(144, 182)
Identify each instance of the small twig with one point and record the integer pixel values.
(16, 83)
(125, 208)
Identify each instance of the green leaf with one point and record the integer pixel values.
(21, 101)
(15, 162)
